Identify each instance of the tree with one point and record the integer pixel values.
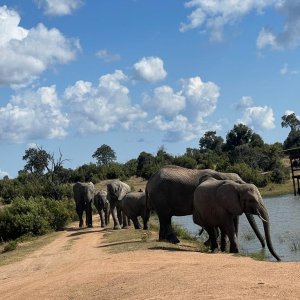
(290, 121)
(293, 139)
(239, 135)
(146, 165)
(37, 160)
(104, 155)
(210, 141)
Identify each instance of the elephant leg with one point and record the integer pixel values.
(208, 242)
(107, 216)
(80, 214)
(89, 219)
(213, 239)
(119, 215)
(232, 237)
(125, 220)
(223, 240)
(102, 218)
(115, 217)
(146, 218)
(136, 223)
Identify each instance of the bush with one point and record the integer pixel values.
(10, 246)
(34, 216)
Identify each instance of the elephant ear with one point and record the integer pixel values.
(229, 198)
(123, 190)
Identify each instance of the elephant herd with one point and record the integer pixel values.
(214, 199)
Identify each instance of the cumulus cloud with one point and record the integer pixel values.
(59, 7)
(181, 114)
(33, 115)
(258, 117)
(289, 37)
(214, 15)
(203, 96)
(166, 101)
(100, 108)
(25, 54)
(150, 69)
(246, 101)
(107, 56)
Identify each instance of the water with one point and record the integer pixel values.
(284, 214)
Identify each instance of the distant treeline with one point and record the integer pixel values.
(243, 152)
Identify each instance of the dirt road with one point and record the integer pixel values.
(77, 266)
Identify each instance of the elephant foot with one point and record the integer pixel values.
(125, 227)
(173, 239)
(207, 243)
(117, 227)
(90, 226)
(235, 250)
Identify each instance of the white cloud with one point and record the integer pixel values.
(59, 7)
(103, 107)
(213, 15)
(246, 101)
(33, 115)
(25, 54)
(258, 117)
(183, 119)
(285, 70)
(107, 56)
(289, 37)
(3, 173)
(203, 96)
(150, 69)
(166, 101)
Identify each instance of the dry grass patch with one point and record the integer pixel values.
(25, 248)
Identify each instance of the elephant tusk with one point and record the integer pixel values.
(259, 215)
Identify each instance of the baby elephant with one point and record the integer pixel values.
(217, 203)
(102, 205)
(134, 205)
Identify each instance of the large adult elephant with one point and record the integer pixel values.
(134, 206)
(217, 202)
(83, 196)
(102, 205)
(116, 191)
(170, 192)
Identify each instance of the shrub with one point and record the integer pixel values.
(10, 246)
(34, 216)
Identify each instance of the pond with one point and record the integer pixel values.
(284, 213)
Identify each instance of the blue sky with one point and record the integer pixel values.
(139, 74)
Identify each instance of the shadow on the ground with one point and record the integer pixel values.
(119, 243)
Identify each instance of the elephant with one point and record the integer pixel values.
(102, 205)
(116, 191)
(134, 205)
(216, 203)
(170, 192)
(83, 196)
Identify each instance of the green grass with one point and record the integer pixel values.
(273, 189)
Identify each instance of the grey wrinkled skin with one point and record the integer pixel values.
(170, 192)
(134, 206)
(83, 196)
(216, 204)
(116, 191)
(103, 207)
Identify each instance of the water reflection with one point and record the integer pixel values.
(284, 213)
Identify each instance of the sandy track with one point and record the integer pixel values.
(77, 266)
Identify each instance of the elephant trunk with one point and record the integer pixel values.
(263, 214)
(253, 225)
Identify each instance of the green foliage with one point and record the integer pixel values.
(279, 175)
(146, 165)
(37, 160)
(290, 121)
(115, 170)
(104, 155)
(292, 140)
(34, 216)
(130, 167)
(185, 161)
(248, 174)
(210, 141)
